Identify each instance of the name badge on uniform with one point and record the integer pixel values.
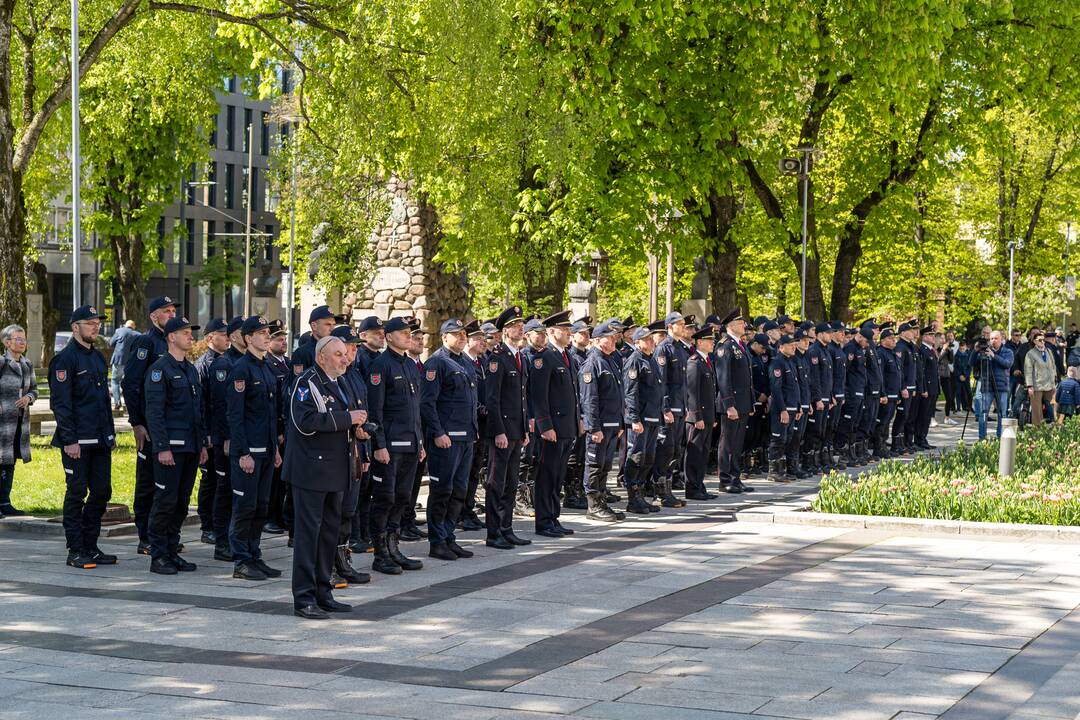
(302, 393)
(155, 376)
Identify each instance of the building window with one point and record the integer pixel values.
(213, 130)
(230, 84)
(189, 244)
(247, 130)
(264, 129)
(209, 229)
(187, 295)
(230, 128)
(268, 246)
(211, 189)
(286, 81)
(230, 181)
(190, 188)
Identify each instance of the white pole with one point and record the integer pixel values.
(1068, 236)
(76, 160)
(247, 227)
(1012, 256)
(292, 250)
(805, 225)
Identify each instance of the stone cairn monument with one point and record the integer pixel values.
(407, 280)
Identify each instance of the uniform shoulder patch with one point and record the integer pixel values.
(141, 353)
(661, 360)
(632, 373)
(155, 376)
(220, 375)
(493, 366)
(899, 355)
(538, 363)
(238, 385)
(851, 356)
(430, 375)
(298, 370)
(376, 378)
(720, 352)
(777, 372)
(813, 359)
(61, 375)
(586, 377)
(302, 393)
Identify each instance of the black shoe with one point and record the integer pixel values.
(601, 512)
(208, 537)
(183, 565)
(733, 488)
(78, 560)
(458, 550)
(575, 503)
(143, 548)
(550, 532)
(563, 530)
(273, 529)
(248, 571)
(163, 566)
(514, 539)
(266, 569)
(290, 543)
(9, 510)
(409, 534)
(471, 525)
(311, 612)
(612, 498)
(382, 562)
(670, 501)
(499, 543)
(100, 557)
(334, 606)
(745, 488)
(440, 551)
(406, 563)
(698, 494)
(223, 553)
(652, 508)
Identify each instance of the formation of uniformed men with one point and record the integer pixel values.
(330, 445)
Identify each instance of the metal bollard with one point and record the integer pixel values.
(1007, 452)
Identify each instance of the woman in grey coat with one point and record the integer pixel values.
(17, 392)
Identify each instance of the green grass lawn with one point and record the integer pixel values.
(39, 484)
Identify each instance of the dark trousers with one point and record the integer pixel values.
(448, 480)
(477, 472)
(620, 476)
(669, 450)
(143, 498)
(315, 535)
(361, 518)
(884, 421)
(757, 429)
(868, 415)
(696, 457)
(903, 409)
(223, 495)
(89, 487)
(911, 418)
(640, 453)
(251, 503)
(278, 489)
(347, 516)
(963, 394)
(836, 414)
(408, 516)
(927, 406)
(207, 488)
(732, 435)
(796, 431)
(391, 490)
(778, 432)
(551, 472)
(850, 414)
(575, 469)
(599, 457)
(172, 496)
(949, 388)
(500, 488)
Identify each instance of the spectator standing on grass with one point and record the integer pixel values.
(1068, 394)
(1040, 376)
(119, 342)
(17, 392)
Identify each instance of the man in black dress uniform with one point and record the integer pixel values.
(602, 411)
(700, 413)
(735, 401)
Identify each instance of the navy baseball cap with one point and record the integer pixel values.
(162, 301)
(761, 339)
(397, 323)
(770, 325)
(640, 333)
(178, 323)
(345, 334)
(489, 328)
(215, 325)
(580, 326)
(86, 312)
(783, 319)
(801, 334)
(235, 324)
(253, 324)
(534, 325)
(887, 333)
(657, 326)
(322, 312)
(760, 320)
(867, 333)
(605, 329)
(785, 340)
(452, 325)
(672, 317)
(713, 320)
(371, 322)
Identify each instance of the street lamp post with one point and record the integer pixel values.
(1068, 237)
(1013, 247)
(76, 160)
(247, 225)
(807, 154)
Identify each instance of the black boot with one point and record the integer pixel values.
(405, 563)
(598, 510)
(789, 469)
(345, 570)
(776, 471)
(382, 562)
(667, 498)
(636, 503)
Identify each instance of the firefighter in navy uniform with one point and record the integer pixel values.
(253, 409)
(671, 356)
(217, 342)
(397, 444)
(757, 433)
(907, 389)
(806, 393)
(644, 415)
(477, 354)
(174, 420)
(574, 484)
(218, 424)
(839, 360)
(855, 391)
(506, 400)
(79, 398)
(524, 506)
(821, 371)
(735, 403)
(700, 413)
(625, 351)
(889, 359)
(783, 407)
(915, 384)
(872, 401)
(280, 505)
(448, 408)
(602, 411)
(373, 340)
(322, 321)
(928, 392)
(144, 351)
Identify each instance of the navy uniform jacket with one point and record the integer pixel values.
(839, 368)
(394, 403)
(783, 384)
(889, 361)
(602, 391)
(806, 387)
(759, 372)
(734, 382)
(625, 350)
(821, 371)
(79, 398)
(174, 405)
(578, 355)
(931, 380)
(146, 349)
(506, 390)
(202, 366)
(359, 401)
(672, 355)
(284, 375)
(856, 371)
(553, 390)
(701, 390)
(219, 406)
(319, 447)
(448, 400)
(304, 355)
(908, 369)
(252, 408)
(365, 356)
(873, 369)
(479, 366)
(644, 389)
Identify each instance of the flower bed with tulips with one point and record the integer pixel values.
(963, 484)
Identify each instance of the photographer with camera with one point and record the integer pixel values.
(991, 362)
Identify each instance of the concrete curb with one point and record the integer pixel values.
(918, 525)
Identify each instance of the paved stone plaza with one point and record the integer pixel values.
(688, 614)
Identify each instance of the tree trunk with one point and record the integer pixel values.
(545, 275)
(721, 252)
(12, 207)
